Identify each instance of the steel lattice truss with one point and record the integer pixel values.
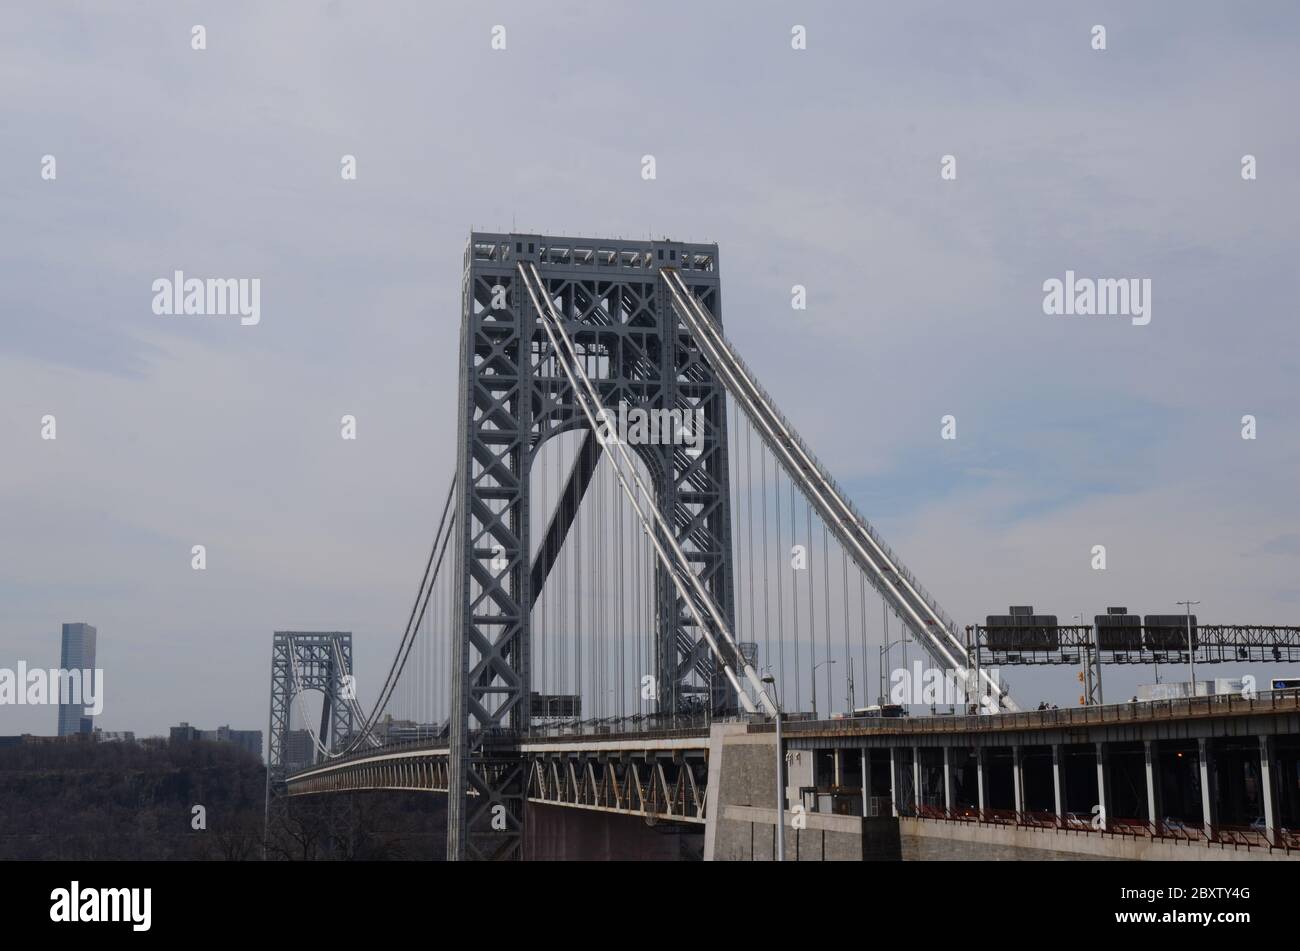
(669, 786)
(1215, 644)
(655, 784)
(513, 397)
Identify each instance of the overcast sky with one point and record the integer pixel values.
(817, 167)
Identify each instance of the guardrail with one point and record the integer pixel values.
(1265, 701)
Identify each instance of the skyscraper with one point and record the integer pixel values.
(78, 653)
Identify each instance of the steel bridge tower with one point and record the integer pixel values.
(301, 661)
(513, 396)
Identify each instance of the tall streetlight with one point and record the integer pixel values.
(814, 684)
(1191, 648)
(883, 652)
(780, 776)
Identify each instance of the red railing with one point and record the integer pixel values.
(1003, 817)
(1241, 837)
(1136, 828)
(1182, 831)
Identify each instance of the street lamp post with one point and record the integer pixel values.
(883, 652)
(780, 777)
(1191, 648)
(814, 684)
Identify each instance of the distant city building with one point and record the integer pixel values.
(390, 725)
(78, 653)
(390, 730)
(184, 733)
(113, 736)
(249, 740)
(28, 739)
(299, 751)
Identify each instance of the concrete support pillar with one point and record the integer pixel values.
(1103, 784)
(866, 782)
(895, 787)
(947, 780)
(837, 767)
(1268, 777)
(1018, 776)
(980, 779)
(1155, 802)
(1058, 782)
(917, 797)
(1209, 793)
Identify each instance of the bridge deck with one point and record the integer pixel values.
(696, 737)
(1139, 712)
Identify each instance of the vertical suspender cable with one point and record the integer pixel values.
(812, 610)
(749, 523)
(848, 651)
(781, 556)
(767, 613)
(826, 587)
(794, 602)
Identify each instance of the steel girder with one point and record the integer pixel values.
(513, 396)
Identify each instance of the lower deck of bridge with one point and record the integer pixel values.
(1248, 783)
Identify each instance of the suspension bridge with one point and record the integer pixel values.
(637, 565)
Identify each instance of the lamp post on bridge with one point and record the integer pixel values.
(780, 776)
(853, 702)
(884, 652)
(814, 684)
